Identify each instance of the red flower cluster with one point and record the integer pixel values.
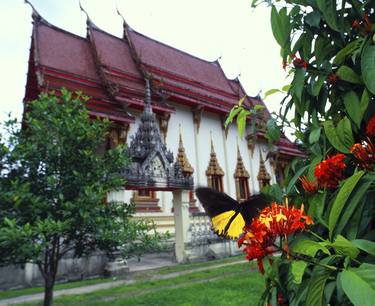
(330, 171)
(309, 186)
(370, 128)
(299, 62)
(275, 221)
(364, 26)
(364, 152)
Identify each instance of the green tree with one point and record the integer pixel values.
(53, 188)
(328, 47)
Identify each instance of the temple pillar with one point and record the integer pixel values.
(181, 221)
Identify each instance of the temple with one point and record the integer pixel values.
(177, 101)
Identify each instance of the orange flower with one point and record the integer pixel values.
(370, 128)
(364, 152)
(275, 221)
(330, 171)
(309, 186)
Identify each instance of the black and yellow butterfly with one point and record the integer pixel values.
(228, 216)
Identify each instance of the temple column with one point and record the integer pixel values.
(181, 221)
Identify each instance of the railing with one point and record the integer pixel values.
(200, 230)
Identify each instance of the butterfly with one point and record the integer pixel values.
(228, 216)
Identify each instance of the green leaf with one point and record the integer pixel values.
(233, 113)
(316, 208)
(297, 83)
(314, 135)
(317, 85)
(298, 269)
(344, 132)
(294, 179)
(365, 245)
(309, 247)
(313, 19)
(345, 247)
(368, 67)
(241, 121)
(341, 199)
(359, 284)
(352, 107)
(315, 293)
(333, 138)
(328, 9)
(323, 49)
(271, 92)
(353, 202)
(344, 52)
(259, 107)
(365, 99)
(272, 130)
(280, 24)
(347, 74)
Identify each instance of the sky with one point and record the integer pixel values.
(210, 29)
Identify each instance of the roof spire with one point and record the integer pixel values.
(263, 176)
(35, 15)
(187, 169)
(240, 167)
(148, 108)
(124, 23)
(89, 22)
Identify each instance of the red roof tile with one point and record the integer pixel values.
(105, 58)
(64, 51)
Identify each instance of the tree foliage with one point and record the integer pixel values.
(54, 185)
(328, 47)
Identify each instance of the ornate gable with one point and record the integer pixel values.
(152, 164)
(213, 166)
(263, 176)
(240, 167)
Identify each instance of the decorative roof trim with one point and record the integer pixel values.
(240, 167)
(213, 166)
(182, 158)
(263, 176)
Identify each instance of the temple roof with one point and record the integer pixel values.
(113, 70)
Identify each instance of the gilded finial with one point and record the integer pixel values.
(187, 169)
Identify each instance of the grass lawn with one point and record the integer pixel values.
(230, 285)
(139, 275)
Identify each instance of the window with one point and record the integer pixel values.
(216, 182)
(241, 177)
(214, 172)
(243, 189)
(146, 201)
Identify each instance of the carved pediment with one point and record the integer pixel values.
(152, 164)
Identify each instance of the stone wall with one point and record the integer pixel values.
(69, 269)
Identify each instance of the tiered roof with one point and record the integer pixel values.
(112, 71)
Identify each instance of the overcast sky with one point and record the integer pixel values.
(209, 29)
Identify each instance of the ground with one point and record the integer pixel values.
(221, 282)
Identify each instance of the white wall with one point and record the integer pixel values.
(198, 148)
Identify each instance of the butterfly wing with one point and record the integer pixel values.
(227, 221)
(215, 202)
(251, 207)
(227, 215)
